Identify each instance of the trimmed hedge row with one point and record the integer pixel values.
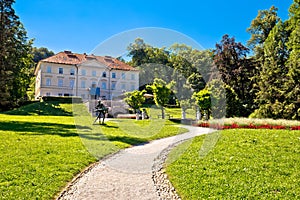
(62, 99)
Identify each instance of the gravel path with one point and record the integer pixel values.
(133, 173)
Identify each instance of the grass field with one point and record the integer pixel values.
(43, 146)
(39, 153)
(245, 164)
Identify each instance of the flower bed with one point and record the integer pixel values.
(258, 125)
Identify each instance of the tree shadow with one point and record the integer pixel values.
(128, 140)
(40, 128)
(41, 108)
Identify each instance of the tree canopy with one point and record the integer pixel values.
(15, 58)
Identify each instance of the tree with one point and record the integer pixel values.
(41, 53)
(293, 62)
(271, 96)
(183, 92)
(260, 28)
(237, 71)
(161, 93)
(166, 63)
(203, 100)
(15, 57)
(135, 99)
(137, 52)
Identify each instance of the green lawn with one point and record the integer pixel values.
(43, 146)
(39, 153)
(245, 164)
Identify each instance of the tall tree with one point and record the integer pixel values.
(230, 58)
(260, 28)
(293, 63)
(271, 97)
(15, 57)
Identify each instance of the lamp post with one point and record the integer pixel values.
(109, 81)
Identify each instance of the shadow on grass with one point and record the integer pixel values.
(105, 125)
(128, 140)
(41, 108)
(42, 128)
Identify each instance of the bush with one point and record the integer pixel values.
(62, 99)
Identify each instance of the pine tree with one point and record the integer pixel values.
(271, 96)
(293, 62)
(15, 57)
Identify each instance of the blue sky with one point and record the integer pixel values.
(81, 25)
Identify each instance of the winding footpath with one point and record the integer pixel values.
(135, 173)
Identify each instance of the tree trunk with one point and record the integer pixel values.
(162, 112)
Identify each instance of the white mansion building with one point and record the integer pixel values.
(86, 76)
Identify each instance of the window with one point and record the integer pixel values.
(60, 94)
(104, 74)
(94, 73)
(103, 85)
(48, 94)
(48, 82)
(72, 71)
(82, 84)
(113, 85)
(72, 82)
(123, 86)
(132, 87)
(132, 76)
(94, 84)
(113, 75)
(60, 82)
(83, 72)
(123, 75)
(48, 69)
(60, 70)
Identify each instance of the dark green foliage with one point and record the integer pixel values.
(15, 57)
(271, 96)
(293, 62)
(278, 78)
(179, 63)
(41, 53)
(260, 28)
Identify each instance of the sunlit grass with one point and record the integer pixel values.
(119, 133)
(245, 164)
(44, 145)
(39, 154)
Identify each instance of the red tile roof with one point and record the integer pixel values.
(69, 58)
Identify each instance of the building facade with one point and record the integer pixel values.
(86, 76)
